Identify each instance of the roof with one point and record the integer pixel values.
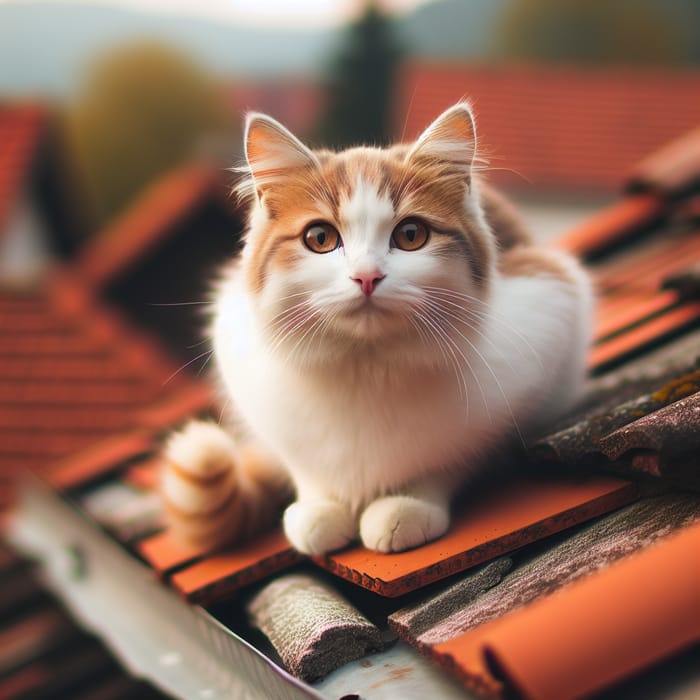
(21, 130)
(543, 584)
(72, 372)
(149, 220)
(561, 128)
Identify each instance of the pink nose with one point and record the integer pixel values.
(368, 281)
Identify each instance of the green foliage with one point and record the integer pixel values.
(144, 108)
(361, 82)
(589, 31)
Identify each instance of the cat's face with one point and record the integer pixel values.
(366, 245)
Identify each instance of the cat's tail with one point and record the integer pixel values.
(215, 491)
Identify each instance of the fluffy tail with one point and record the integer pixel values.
(215, 491)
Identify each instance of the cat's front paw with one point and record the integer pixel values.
(396, 523)
(317, 527)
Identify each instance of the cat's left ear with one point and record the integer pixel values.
(450, 138)
(272, 151)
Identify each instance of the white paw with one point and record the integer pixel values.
(317, 527)
(395, 523)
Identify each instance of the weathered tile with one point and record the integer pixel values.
(311, 626)
(665, 443)
(596, 631)
(591, 548)
(577, 445)
(500, 522)
(421, 617)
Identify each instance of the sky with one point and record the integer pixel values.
(297, 13)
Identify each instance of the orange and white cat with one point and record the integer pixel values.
(386, 327)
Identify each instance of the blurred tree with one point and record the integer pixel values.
(144, 108)
(361, 83)
(589, 31)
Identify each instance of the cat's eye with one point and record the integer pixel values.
(321, 237)
(410, 234)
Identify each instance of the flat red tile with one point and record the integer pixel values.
(144, 475)
(636, 339)
(164, 552)
(671, 169)
(98, 459)
(649, 270)
(221, 575)
(500, 522)
(609, 226)
(615, 318)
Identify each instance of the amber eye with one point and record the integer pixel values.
(410, 234)
(321, 238)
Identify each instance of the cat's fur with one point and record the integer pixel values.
(374, 407)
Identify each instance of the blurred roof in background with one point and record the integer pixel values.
(556, 127)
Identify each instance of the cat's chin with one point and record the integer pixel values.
(370, 321)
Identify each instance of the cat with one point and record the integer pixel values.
(387, 326)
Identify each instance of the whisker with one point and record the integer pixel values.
(496, 380)
(180, 303)
(187, 364)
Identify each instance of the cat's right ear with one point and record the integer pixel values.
(272, 151)
(451, 138)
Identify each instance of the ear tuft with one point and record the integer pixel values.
(272, 150)
(450, 138)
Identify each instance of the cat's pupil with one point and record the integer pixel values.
(410, 232)
(321, 236)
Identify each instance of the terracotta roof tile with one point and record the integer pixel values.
(73, 372)
(504, 520)
(617, 631)
(629, 309)
(671, 170)
(640, 338)
(612, 225)
(21, 128)
(221, 575)
(98, 458)
(575, 128)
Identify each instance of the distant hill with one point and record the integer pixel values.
(45, 45)
(451, 28)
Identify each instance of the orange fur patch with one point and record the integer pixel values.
(427, 189)
(530, 261)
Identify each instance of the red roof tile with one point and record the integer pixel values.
(220, 575)
(557, 127)
(671, 169)
(603, 623)
(502, 521)
(73, 372)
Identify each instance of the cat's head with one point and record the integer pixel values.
(367, 245)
